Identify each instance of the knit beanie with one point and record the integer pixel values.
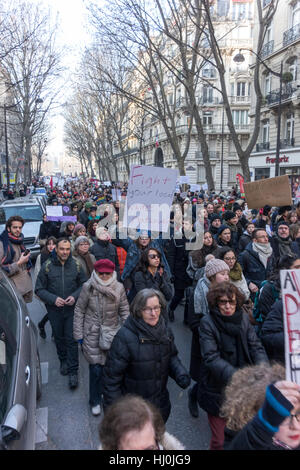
(78, 227)
(228, 215)
(215, 217)
(221, 229)
(81, 239)
(215, 266)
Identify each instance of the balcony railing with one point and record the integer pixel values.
(240, 99)
(263, 146)
(127, 152)
(284, 143)
(217, 128)
(213, 155)
(287, 92)
(267, 49)
(208, 100)
(291, 35)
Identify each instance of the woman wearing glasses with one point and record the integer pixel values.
(228, 342)
(150, 274)
(235, 274)
(143, 355)
(100, 311)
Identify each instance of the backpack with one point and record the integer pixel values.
(256, 308)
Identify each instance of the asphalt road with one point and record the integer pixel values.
(64, 419)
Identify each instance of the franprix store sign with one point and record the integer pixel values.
(272, 160)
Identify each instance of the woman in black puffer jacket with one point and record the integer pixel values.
(228, 341)
(143, 355)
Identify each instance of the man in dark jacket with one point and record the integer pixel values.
(281, 243)
(255, 260)
(246, 238)
(58, 285)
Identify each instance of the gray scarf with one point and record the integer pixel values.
(200, 301)
(264, 251)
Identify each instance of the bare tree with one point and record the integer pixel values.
(32, 68)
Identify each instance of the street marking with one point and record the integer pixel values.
(44, 372)
(41, 425)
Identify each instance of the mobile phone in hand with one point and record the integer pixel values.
(26, 252)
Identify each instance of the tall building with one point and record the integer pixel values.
(281, 48)
(233, 21)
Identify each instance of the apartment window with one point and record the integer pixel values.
(268, 36)
(241, 89)
(201, 176)
(296, 14)
(223, 7)
(268, 81)
(170, 99)
(239, 11)
(265, 131)
(207, 94)
(240, 117)
(289, 127)
(207, 119)
(293, 68)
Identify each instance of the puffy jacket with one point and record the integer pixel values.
(106, 250)
(59, 280)
(95, 307)
(122, 258)
(253, 269)
(272, 333)
(216, 371)
(140, 362)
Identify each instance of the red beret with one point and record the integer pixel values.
(104, 266)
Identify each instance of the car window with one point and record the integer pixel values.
(9, 323)
(29, 213)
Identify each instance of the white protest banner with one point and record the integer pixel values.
(205, 187)
(149, 198)
(116, 194)
(107, 183)
(195, 187)
(290, 288)
(184, 179)
(54, 211)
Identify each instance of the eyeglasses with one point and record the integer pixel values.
(224, 302)
(230, 259)
(149, 310)
(288, 421)
(154, 256)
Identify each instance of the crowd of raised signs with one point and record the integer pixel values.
(120, 296)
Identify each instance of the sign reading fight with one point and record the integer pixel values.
(149, 198)
(290, 287)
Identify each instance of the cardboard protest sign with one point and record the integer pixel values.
(290, 288)
(149, 198)
(273, 191)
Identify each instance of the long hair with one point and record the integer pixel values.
(198, 256)
(143, 264)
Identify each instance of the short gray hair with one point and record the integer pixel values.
(140, 300)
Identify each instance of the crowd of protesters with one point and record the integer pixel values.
(118, 296)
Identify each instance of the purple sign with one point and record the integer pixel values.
(63, 218)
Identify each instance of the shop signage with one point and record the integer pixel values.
(283, 159)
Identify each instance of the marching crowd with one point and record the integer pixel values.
(116, 298)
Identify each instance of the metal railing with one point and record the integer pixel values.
(263, 146)
(291, 35)
(240, 99)
(267, 49)
(284, 143)
(127, 152)
(287, 92)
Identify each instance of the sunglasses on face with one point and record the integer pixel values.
(154, 256)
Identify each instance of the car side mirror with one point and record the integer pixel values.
(11, 429)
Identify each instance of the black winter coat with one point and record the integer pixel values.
(296, 247)
(178, 260)
(244, 241)
(57, 280)
(272, 333)
(106, 250)
(253, 269)
(147, 281)
(140, 363)
(215, 370)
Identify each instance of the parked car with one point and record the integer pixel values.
(20, 371)
(32, 209)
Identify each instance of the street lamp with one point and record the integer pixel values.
(240, 58)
